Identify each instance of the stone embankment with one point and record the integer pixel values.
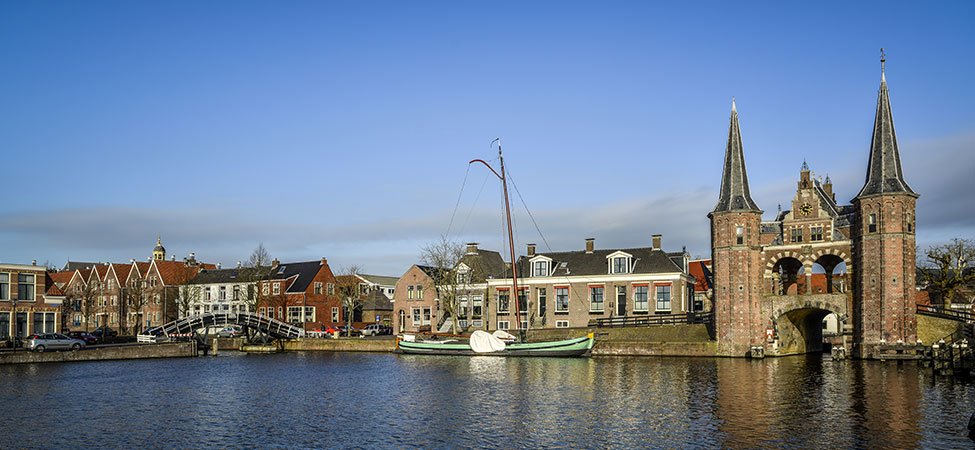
(147, 351)
(676, 340)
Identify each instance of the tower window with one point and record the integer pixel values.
(796, 235)
(872, 224)
(740, 235)
(816, 234)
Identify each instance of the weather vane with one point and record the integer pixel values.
(882, 60)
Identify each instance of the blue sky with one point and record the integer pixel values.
(344, 129)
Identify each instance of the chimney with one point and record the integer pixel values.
(590, 245)
(324, 261)
(218, 266)
(174, 258)
(33, 263)
(656, 241)
(471, 248)
(238, 264)
(828, 187)
(531, 249)
(192, 256)
(275, 263)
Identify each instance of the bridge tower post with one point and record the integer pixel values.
(736, 255)
(884, 296)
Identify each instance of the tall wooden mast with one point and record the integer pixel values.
(511, 241)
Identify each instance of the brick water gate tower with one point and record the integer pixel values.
(775, 281)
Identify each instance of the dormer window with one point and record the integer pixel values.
(281, 270)
(619, 262)
(621, 265)
(540, 266)
(540, 269)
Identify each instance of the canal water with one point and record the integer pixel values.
(360, 400)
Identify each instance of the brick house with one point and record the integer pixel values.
(415, 301)
(568, 289)
(703, 286)
(29, 302)
(301, 293)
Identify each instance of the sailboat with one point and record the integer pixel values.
(500, 343)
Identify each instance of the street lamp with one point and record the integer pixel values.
(13, 318)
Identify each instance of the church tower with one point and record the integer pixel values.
(736, 255)
(159, 253)
(883, 243)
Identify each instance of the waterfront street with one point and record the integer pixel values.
(357, 400)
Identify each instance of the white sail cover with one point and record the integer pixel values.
(503, 335)
(484, 342)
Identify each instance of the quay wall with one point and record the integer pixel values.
(930, 329)
(340, 345)
(151, 351)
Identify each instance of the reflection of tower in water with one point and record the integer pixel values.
(811, 401)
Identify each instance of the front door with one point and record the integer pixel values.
(620, 300)
(21, 325)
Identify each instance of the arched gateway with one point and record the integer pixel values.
(775, 281)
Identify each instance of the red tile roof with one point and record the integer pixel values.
(175, 272)
(62, 278)
(697, 269)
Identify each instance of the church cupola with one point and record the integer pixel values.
(159, 253)
(734, 195)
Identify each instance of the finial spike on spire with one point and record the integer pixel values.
(883, 59)
(733, 107)
(804, 165)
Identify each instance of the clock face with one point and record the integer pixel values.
(805, 209)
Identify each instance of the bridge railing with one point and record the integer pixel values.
(947, 313)
(656, 320)
(263, 323)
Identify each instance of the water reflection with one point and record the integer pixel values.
(334, 400)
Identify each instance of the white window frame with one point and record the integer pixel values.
(507, 304)
(503, 325)
(670, 296)
(558, 304)
(592, 298)
(335, 314)
(646, 298)
(276, 289)
(561, 324)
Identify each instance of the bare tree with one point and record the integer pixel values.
(87, 295)
(259, 257)
(135, 296)
(444, 255)
(257, 269)
(947, 269)
(349, 290)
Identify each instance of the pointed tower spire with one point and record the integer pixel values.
(734, 193)
(884, 174)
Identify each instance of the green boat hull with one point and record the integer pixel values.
(568, 347)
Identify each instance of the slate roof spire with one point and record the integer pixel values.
(734, 195)
(884, 174)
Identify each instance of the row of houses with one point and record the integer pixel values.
(565, 289)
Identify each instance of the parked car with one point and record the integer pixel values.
(104, 333)
(83, 336)
(373, 329)
(349, 330)
(229, 331)
(52, 341)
